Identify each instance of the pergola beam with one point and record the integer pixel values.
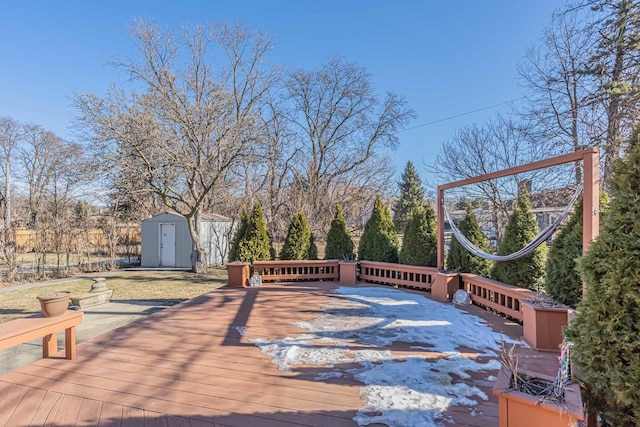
(591, 192)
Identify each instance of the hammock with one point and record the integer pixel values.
(530, 247)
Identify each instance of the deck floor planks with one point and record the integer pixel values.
(188, 365)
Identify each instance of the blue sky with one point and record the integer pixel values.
(447, 57)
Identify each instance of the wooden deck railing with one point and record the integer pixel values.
(397, 274)
(272, 271)
(496, 295)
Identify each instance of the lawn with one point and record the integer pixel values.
(164, 287)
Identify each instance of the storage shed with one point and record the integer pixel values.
(166, 241)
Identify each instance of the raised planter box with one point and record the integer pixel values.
(348, 272)
(238, 274)
(445, 286)
(542, 326)
(519, 409)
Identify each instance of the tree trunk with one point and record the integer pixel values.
(198, 254)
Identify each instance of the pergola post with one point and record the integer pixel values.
(440, 223)
(590, 202)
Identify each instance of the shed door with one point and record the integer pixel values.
(167, 245)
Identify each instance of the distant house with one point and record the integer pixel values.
(166, 241)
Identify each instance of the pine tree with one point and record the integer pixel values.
(339, 242)
(256, 244)
(296, 244)
(419, 246)
(562, 280)
(605, 334)
(411, 197)
(238, 236)
(312, 253)
(522, 228)
(379, 241)
(459, 258)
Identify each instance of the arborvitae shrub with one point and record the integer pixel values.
(339, 242)
(379, 241)
(312, 253)
(605, 333)
(411, 197)
(256, 244)
(419, 246)
(562, 280)
(459, 258)
(238, 236)
(522, 228)
(296, 244)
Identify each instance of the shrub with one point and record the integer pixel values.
(296, 244)
(312, 253)
(411, 197)
(562, 280)
(256, 244)
(459, 258)
(522, 228)
(238, 236)
(379, 241)
(339, 243)
(419, 246)
(605, 331)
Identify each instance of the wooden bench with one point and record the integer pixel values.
(26, 329)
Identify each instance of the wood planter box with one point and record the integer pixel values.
(444, 286)
(543, 325)
(348, 272)
(238, 274)
(519, 409)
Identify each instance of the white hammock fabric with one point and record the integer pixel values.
(530, 247)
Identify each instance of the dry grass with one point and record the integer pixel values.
(164, 287)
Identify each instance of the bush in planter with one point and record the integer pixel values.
(339, 243)
(522, 228)
(256, 243)
(298, 241)
(460, 259)
(419, 246)
(411, 197)
(562, 280)
(605, 331)
(379, 241)
(238, 236)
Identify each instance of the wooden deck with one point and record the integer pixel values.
(188, 365)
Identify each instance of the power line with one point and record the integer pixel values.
(463, 114)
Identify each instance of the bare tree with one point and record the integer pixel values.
(341, 125)
(185, 124)
(615, 63)
(40, 155)
(557, 107)
(498, 145)
(10, 133)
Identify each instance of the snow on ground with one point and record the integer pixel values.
(398, 390)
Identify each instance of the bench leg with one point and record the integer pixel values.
(70, 343)
(49, 345)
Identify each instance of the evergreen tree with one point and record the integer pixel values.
(296, 244)
(313, 249)
(339, 243)
(562, 280)
(256, 244)
(238, 236)
(459, 258)
(605, 334)
(379, 241)
(419, 246)
(522, 228)
(411, 197)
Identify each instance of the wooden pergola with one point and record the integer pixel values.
(591, 197)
